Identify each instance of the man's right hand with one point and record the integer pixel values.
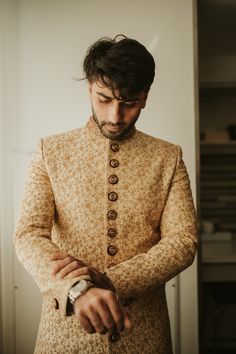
(98, 310)
(66, 266)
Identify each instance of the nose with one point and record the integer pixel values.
(116, 113)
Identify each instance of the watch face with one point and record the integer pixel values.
(79, 289)
(81, 285)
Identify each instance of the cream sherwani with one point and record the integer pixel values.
(124, 206)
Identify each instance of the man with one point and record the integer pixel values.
(107, 218)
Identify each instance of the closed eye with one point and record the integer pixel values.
(104, 101)
(130, 104)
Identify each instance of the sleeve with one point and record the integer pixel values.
(173, 253)
(32, 237)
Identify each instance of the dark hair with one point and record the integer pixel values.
(121, 64)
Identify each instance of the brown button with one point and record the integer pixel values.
(114, 337)
(111, 265)
(114, 163)
(112, 214)
(112, 196)
(115, 147)
(112, 250)
(55, 304)
(113, 179)
(112, 232)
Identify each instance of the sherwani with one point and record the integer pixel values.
(123, 206)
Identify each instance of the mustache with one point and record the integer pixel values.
(118, 124)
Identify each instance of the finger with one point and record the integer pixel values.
(74, 266)
(106, 317)
(86, 324)
(116, 311)
(78, 272)
(96, 321)
(57, 266)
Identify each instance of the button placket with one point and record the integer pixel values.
(112, 197)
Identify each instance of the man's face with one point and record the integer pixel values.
(114, 117)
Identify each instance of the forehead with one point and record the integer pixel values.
(98, 88)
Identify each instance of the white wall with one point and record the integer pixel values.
(46, 41)
(8, 114)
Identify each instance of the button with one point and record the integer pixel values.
(114, 163)
(111, 265)
(112, 214)
(114, 337)
(112, 232)
(112, 196)
(55, 304)
(112, 250)
(115, 147)
(113, 179)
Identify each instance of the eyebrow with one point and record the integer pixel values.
(112, 98)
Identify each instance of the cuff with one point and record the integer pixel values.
(60, 293)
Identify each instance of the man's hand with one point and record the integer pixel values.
(98, 310)
(67, 266)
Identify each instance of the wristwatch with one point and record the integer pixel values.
(79, 289)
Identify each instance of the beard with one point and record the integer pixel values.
(121, 129)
